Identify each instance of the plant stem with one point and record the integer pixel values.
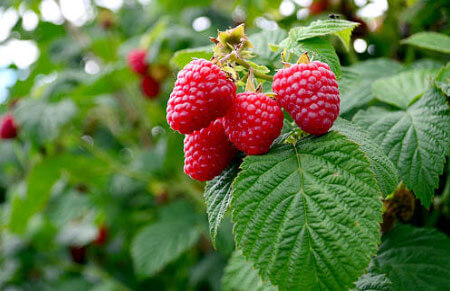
(257, 74)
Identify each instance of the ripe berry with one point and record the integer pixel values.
(78, 254)
(253, 122)
(309, 93)
(202, 94)
(207, 152)
(101, 236)
(136, 61)
(150, 87)
(8, 128)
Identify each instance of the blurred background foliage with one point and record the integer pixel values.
(92, 191)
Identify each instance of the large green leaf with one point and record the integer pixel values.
(41, 120)
(241, 276)
(430, 40)
(319, 49)
(341, 28)
(218, 197)
(399, 90)
(183, 57)
(41, 179)
(356, 91)
(417, 140)
(385, 171)
(443, 79)
(415, 258)
(158, 244)
(374, 282)
(308, 215)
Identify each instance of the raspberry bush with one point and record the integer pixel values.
(224, 145)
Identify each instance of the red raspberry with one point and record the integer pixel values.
(309, 93)
(253, 122)
(202, 94)
(207, 152)
(8, 128)
(136, 61)
(150, 87)
(101, 236)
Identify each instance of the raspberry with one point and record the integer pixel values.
(309, 93)
(207, 152)
(253, 122)
(8, 127)
(101, 236)
(136, 61)
(150, 87)
(202, 94)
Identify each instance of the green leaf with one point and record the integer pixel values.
(183, 57)
(415, 258)
(162, 242)
(400, 89)
(430, 40)
(385, 171)
(341, 28)
(416, 140)
(319, 49)
(263, 39)
(356, 91)
(41, 179)
(443, 79)
(218, 198)
(308, 215)
(41, 120)
(374, 282)
(240, 275)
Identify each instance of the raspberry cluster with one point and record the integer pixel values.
(8, 128)
(137, 63)
(217, 122)
(309, 93)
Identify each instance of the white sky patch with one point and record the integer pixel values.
(360, 45)
(374, 9)
(201, 23)
(77, 11)
(266, 24)
(113, 5)
(22, 53)
(360, 3)
(302, 13)
(30, 20)
(50, 12)
(287, 8)
(8, 19)
(304, 3)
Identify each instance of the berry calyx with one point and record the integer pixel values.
(309, 93)
(8, 128)
(136, 61)
(253, 122)
(149, 87)
(207, 152)
(202, 93)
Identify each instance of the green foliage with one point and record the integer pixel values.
(401, 89)
(430, 40)
(218, 198)
(183, 57)
(307, 214)
(374, 282)
(241, 276)
(415, 258)
(443, 80)
(341, 28)
(417, 137)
